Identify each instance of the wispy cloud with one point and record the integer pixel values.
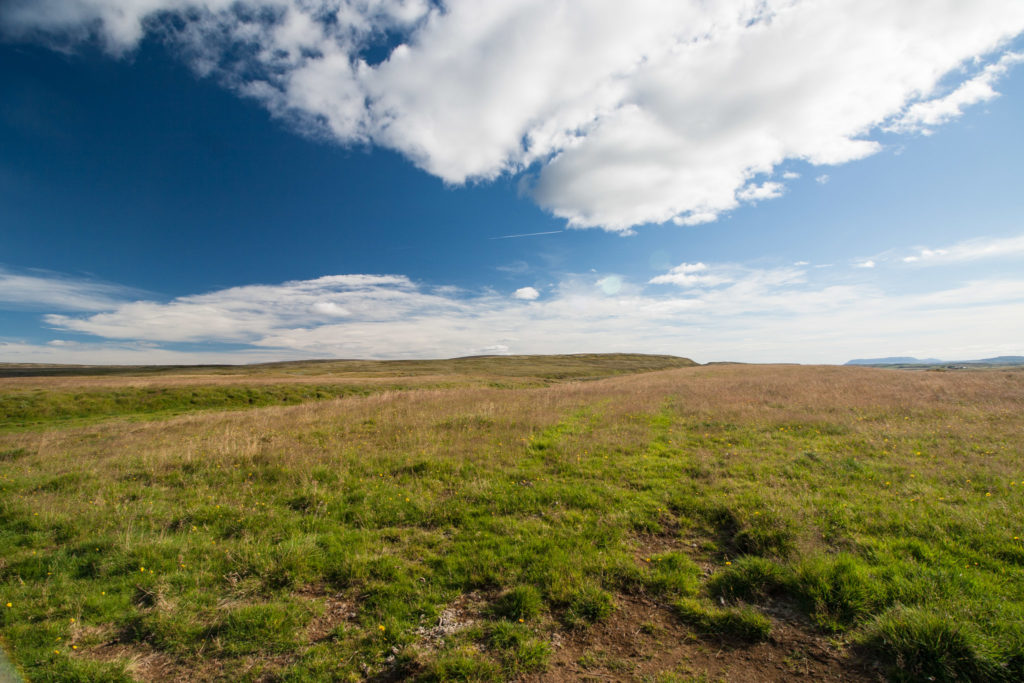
(527, 234)
(708, 311)
(60, 351)
(624, 113)
(242, 314)
(34, 289)
(691, 275)
(516, 267)
(970, 250)
(921, 116)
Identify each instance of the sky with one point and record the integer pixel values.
(238, 181)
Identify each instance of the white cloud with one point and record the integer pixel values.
(737, 312)
(34, 289)
(117, 353)
(647, 111)
(866, 263)
(526, 294)
(243, 313)
(611, 284)
(822, 179)
(516, 267)
(970, 250)
(696, 218)
(691, 275)
(330, 308)
(493, 350)
(790, 175)
(766, 190)
(920, 115)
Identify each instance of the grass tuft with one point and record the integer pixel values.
(521, 603)
(12, 454)
(838, 591)
(518, 650)
(751, 579)
(266, 629)
(672, 575)
(738, 623)
(587, 606)
(921, 645)
(462, 666)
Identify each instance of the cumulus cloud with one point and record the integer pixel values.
(525, 294)
(768, 190)
(621, 113)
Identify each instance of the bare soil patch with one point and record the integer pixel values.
(643, 640)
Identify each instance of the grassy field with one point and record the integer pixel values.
(483, 519)
(43, 396)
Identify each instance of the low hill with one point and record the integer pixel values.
(544, 366)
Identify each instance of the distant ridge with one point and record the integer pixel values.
(901, 361)
(893, 360)
(1001, 360)
(566, 366)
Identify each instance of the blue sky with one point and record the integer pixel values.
(204, 181)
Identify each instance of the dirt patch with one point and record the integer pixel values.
(465, 611)
(144, 663)
(643, 640)
(140, 661)
(338, 610)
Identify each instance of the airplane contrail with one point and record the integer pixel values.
(527, 234)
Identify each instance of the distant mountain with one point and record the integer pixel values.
(910, 360)
(1001, 360)
(893, 360)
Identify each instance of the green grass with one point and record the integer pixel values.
(732, 623)
(927, 645)
(521, 603)
(327, 541)
(42, 408)
(573, 366)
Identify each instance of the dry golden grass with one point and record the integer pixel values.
(959, 408)
(915, 474)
